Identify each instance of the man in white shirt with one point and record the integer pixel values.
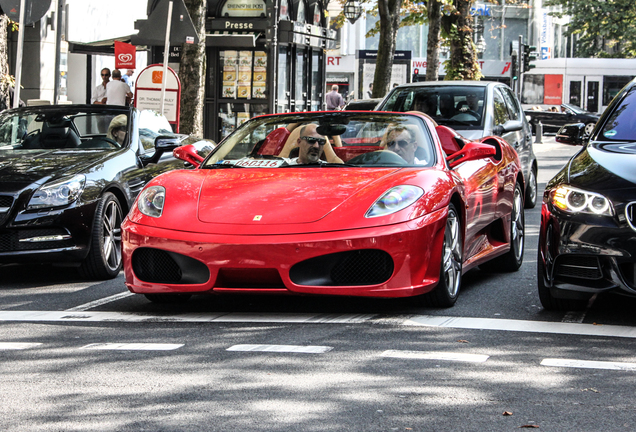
(99, 93)
(117, 91)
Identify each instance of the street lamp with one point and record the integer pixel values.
(352, 11)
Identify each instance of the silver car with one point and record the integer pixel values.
(475, 109)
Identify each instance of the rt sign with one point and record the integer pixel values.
(34, 10)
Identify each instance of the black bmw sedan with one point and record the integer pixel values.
(587, 241)
(69, 174)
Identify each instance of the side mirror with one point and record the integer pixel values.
(509, 126)
(571, 134)
(167, 143)
(471, 151)
(188, 153)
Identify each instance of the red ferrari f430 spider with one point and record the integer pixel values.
(342, 203)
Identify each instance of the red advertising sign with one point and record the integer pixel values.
(553, 89)
(125, 55)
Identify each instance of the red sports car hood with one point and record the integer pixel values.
(280, 196)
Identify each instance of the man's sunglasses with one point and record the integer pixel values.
(314, 140)
(105, 74)
(402, 143)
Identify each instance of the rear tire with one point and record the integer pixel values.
(447, 289)
(104, 257)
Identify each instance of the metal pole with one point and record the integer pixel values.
(503, 26)
(18, 61)
(521, 57)
(58, 44)
(166, 55)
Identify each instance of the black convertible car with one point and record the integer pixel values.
(564, 114)
(587, 239)
(69, 174)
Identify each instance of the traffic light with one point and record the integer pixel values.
(529, 54)
(514, 66)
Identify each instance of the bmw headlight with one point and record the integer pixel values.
(573, 200)
(151, 201)
(59, 193)
(394, 200)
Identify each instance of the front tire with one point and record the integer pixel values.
(548, 301)
(104, 257)
(589, 128)
(447, 289)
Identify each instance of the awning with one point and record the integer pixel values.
(103, 47)
(232, 39)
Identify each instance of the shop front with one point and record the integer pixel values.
(262, 58)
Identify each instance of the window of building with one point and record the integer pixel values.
(612, 85)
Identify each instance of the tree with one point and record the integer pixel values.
(462, 64)
(605, 28)
(389, 11)
(434, 14)
(192, 73)
(5, 78)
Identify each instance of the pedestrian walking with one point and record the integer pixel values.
(334, 99)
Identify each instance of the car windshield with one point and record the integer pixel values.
(460, 107)
(342, 139)
(621, 125)
(575, 109)
(33, 129)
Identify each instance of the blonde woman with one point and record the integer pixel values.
(118, 129)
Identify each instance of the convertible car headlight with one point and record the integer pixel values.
(394, 200)
(573, 200)
(59, 193)
(151, 201)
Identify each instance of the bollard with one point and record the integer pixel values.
(538, 132)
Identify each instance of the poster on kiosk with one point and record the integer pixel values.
(148, 92)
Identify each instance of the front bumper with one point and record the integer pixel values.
(54, 236)
(390, 261)
(587, 253)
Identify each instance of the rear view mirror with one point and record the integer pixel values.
(188, 153)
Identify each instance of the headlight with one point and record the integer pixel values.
(59, 193)
(573, 200)
(151, 201)
(394, 200)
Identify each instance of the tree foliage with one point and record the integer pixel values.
(605, 28)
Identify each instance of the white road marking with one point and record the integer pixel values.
(522, 326)
(100, 302)
(430, 355)
(17, 345)
(61, 316)
(132, 346)
(578, 316)
(587, 364)
(309, 349)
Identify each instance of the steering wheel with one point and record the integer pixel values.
(381, 157)
(111, 142)
(461, 116)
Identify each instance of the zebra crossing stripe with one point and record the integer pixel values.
(17, 345)
(431, 355)
(132, 346)
(309, 349)
(587, 364)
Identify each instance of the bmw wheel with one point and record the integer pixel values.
(104, 257)
(589, 127)
(447, 289)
